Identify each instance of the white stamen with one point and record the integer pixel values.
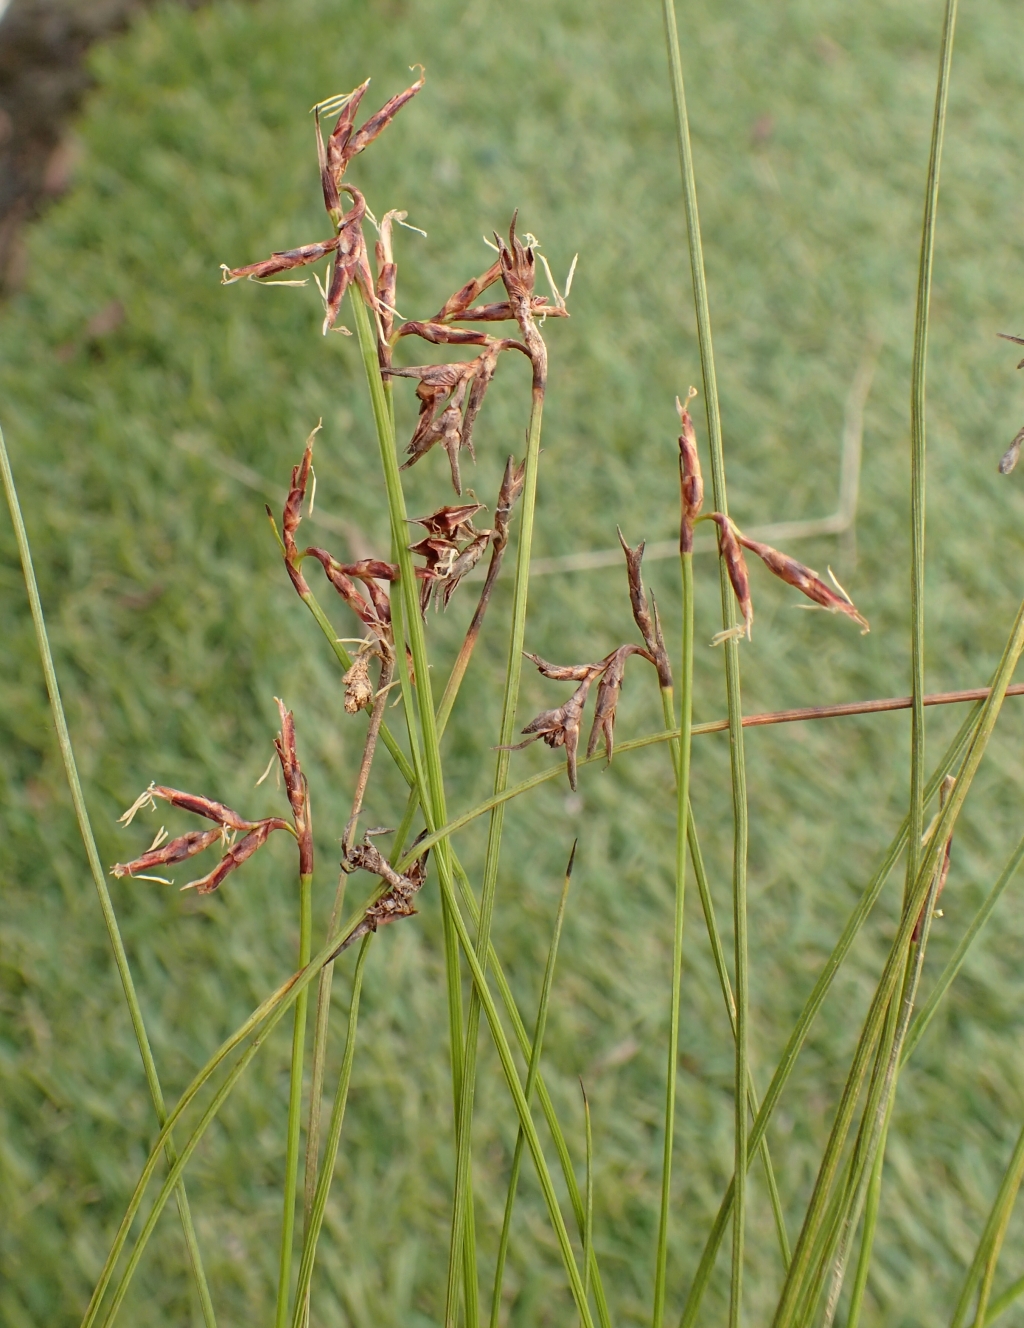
(839, 587)
(572, 273)
(270, 766)
(143, 800)
(160, 880)
(161, 836)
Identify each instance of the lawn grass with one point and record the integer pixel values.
(174, 625)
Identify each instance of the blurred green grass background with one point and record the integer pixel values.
(174, 625)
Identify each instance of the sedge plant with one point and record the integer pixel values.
(498, 322)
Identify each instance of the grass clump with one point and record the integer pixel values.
(172, 634)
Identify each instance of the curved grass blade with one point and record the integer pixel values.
(811, 1007)
(92, 854)
(533, 1067)
(326, 1176)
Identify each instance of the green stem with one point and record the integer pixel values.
(522, 1107)
(871, 1206)
(927, 1011)
(1004, 1300)
(543, 1096)
(718, 954)
(92, 854)
(918, 444)
(510, 701)
(732, 664)
(323, 1185)
(810, 1010)
(177, 1170)
(533, 1068)
(682, 764)
(983, 1265)
(588, 1229)
(407, 621)
(273, 1008)
(316, 1086)
(291, 1166)
(895, 964)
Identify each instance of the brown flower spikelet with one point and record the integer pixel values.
(736, 565)
(803, 579)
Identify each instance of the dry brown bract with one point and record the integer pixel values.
(561, 727)
(228, 822)
(648, 622)
(347, 246)
(396, 900)
(374, 613)
(691, 483)
(451, 395)
(805, 580)
(456, 390)
(732, 542)
(1012, 453)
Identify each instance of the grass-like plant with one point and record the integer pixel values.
(389, 603)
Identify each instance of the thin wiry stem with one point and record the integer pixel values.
(732, 663)
(718, 954)
(407, 621)
(510, 701)
(918, 442)
(918, 429)
(682, 768)
(291, 1166)
(92, 854)
(1004, 1300)
(533, 1068)
(316, 1088)
(272, 1009)
(522, 1107)
(323, 1186)
(543, 1096)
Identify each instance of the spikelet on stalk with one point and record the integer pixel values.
(228, 821)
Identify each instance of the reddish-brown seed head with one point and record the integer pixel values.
(736, 565)
(691, 483)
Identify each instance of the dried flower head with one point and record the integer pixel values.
(561, 727)
(396, 900)
(347, 247)
(608, 694)
(359, 691)
(228, 821)
(296, 787)
(1011, 455)
(648, 623)
(691, 483)
(807, 581)
(511, 489)
(736, 565)
(456, 391)
(450, 522)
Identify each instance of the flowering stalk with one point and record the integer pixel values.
(691, 498)
(517, 272)
(732, 665)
